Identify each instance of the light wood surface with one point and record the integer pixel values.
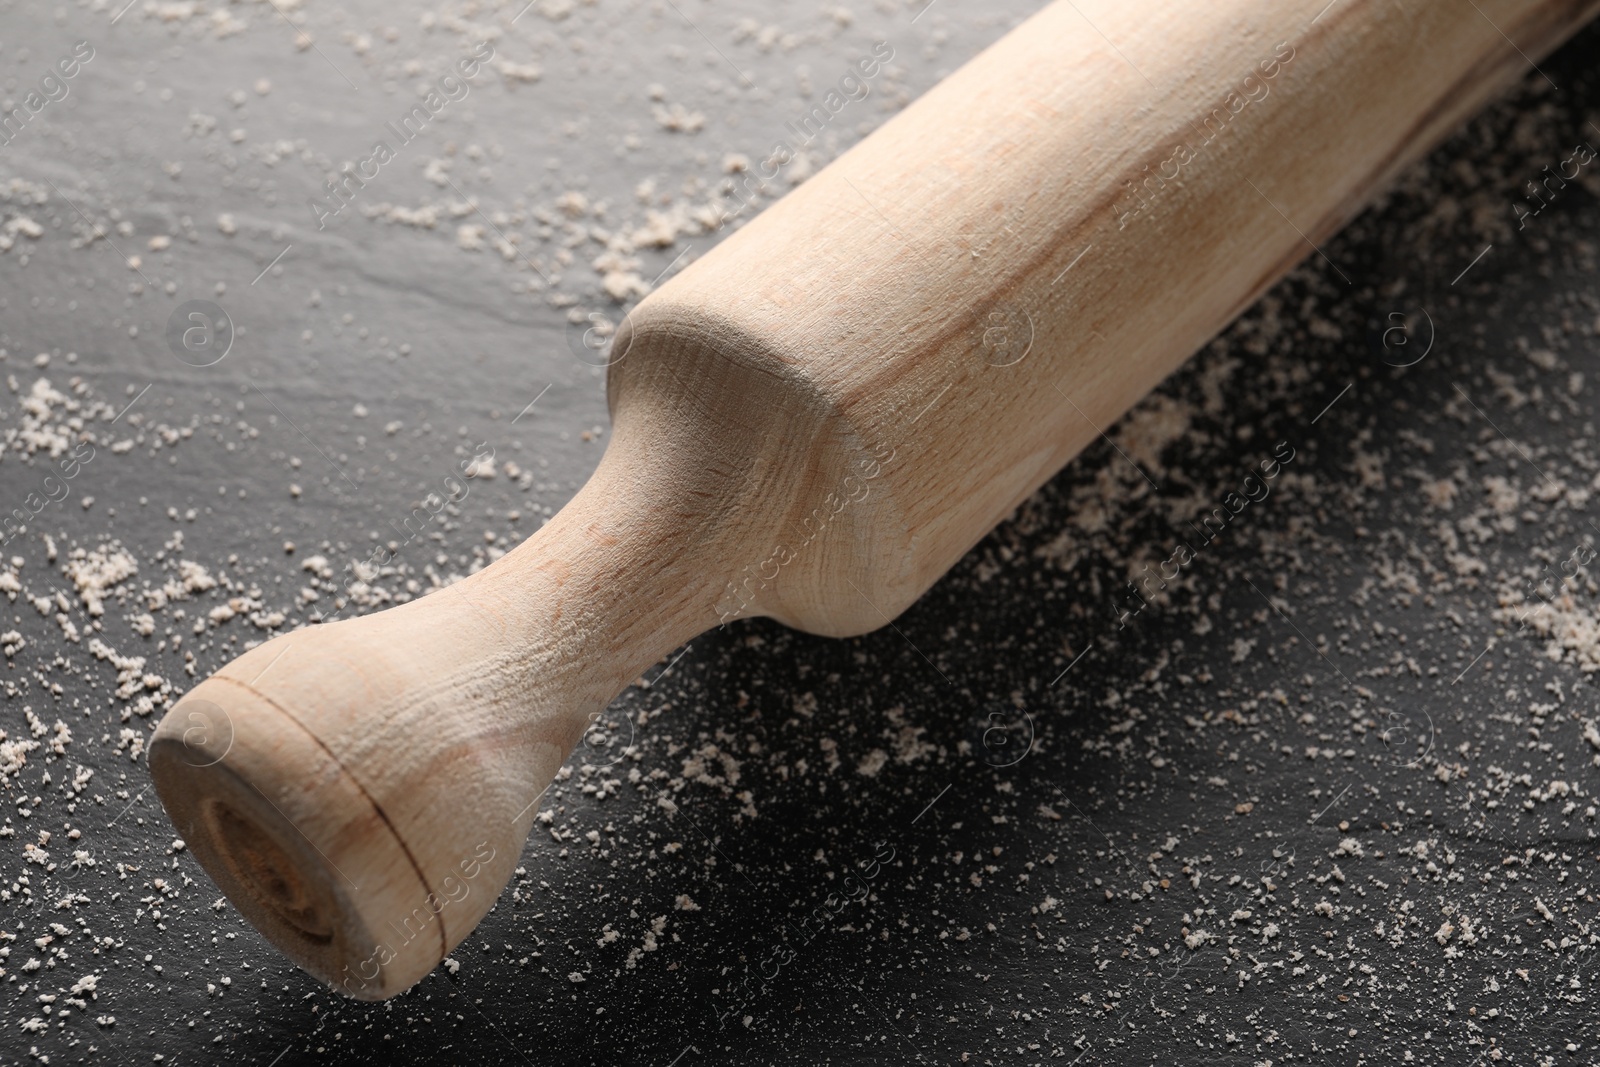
(817, 419)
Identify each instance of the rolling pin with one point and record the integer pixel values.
(815, 420)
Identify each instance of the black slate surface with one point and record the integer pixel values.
(1319, 748)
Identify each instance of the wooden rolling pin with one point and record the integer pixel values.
(817, 419)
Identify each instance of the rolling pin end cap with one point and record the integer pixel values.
(293, 841)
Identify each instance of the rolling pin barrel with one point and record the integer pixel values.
(816, 420)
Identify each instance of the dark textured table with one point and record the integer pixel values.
(1327, 795)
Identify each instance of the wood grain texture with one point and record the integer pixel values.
(817, 419)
